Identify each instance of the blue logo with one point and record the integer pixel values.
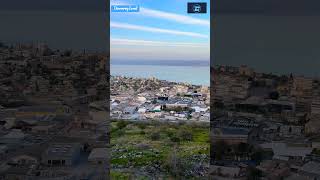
(125, 8)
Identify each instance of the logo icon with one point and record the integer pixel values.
(197, 7)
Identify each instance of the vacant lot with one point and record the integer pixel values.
(142, 150)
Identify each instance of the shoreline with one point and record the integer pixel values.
(151, 77)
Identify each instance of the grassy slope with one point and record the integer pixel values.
(134, 146)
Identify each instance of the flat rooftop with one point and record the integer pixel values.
(62, 149)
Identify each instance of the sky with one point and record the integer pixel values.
(272, 36)
(161, 30)
(62, 24)
(293, 7)
(268, 7)
(45, 5)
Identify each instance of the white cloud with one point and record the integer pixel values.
(155, 50)
(134, 42)
(163, 53)
(155, 30)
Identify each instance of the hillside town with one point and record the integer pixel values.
(151, 98)
(264, 126)
(54, 117)
(53, 113)
(159, 129)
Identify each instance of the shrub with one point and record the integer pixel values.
(155, 136)
(122, 124)
(175, 139)
(185, 135)
(142, 125)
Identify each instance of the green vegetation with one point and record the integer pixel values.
(117, 175)
(156, 149)
(316, 151)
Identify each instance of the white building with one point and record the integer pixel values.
(61, 154)
(315, 106)
(286, 152)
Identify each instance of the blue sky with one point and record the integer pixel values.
(162, 30)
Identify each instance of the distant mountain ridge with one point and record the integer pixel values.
(161, 63)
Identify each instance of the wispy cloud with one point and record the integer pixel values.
(157, 53)
(154, 50)
(155, 30)
(134, 42)
(174, 17)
